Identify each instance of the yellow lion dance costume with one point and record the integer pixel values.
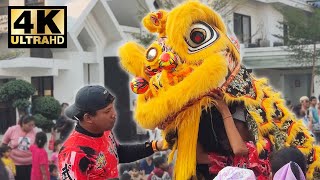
(193, 56)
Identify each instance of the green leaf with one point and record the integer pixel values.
(47, 106)
(21, 104)
(11, 54)
(16, 89)
(43, 123)
(302, 35)
(144, 39)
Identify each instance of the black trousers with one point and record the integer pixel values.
(203, 172)
(23, 172)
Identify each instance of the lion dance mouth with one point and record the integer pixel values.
(233, 69)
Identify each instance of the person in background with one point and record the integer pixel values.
(40, 162)
(3, 172)
(125, 176)
(7, 161)
(136, 173)
(290, 171)
(160, 170)
(56, 149)
(19, 138)
(319, 106)
(297, 111)
(315, 118)
(53, 172)
(64, 124)
(314, 110)
(289, 104)
(154, 134)
(304, 112)
(147, 165)
(305, 104)
(288, 164)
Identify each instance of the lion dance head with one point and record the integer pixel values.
(192, 56)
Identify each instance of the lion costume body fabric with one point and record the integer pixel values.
(192, 57)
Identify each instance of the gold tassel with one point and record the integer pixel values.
(185, 166)
(187, 145)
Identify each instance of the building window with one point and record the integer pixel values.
(43, 85)
(242, 28)
(41, 52)
(34, 2)
(3, 81)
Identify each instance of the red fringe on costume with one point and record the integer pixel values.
(261, 167)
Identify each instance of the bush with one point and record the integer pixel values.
(47, 106)
(43, 123)
(21, 104)
(11, 54)
(16, 89)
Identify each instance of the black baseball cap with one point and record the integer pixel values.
(89, 99)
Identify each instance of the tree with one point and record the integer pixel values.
(17, 93)
(46, 109)
(144, 39)
(302, 37)
(43, 123)
(21, 104)
(11, 54)
(47, 106)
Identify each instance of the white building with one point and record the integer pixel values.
(260, 20)
(96, 28)
(94, 35)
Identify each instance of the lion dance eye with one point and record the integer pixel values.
(200, 36)
(151, 54)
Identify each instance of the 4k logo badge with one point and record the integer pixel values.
(37, 27)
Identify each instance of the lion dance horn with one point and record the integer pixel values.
(155, 22)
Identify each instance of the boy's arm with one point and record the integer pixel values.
(130, 153)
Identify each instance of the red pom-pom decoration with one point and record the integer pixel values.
(139, 85)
